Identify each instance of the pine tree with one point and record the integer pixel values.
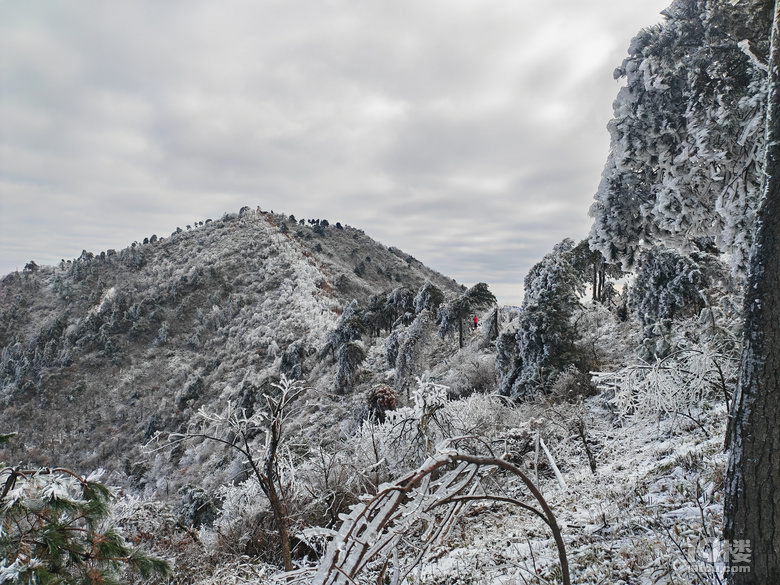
(348, 358)
(399, 307)
(543, 345)
(350, 327)
(451, 314)
(55, 528)
(429, 297)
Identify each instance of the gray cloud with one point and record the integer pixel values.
(469, 134)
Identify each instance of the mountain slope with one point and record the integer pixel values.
(101, 352)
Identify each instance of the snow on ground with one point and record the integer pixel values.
(654, 502)
(655, 498)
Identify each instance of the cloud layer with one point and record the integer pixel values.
(468, 133)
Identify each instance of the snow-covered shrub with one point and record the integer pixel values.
(389, 448)
(675, 383)
(606, 339)
(244, 525)
(428, 398)
(162, 333)
(483, 417)
(572, 385)
(473, 371)
(196, 508)
(154, 526)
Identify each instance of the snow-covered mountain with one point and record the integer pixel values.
(101, 352)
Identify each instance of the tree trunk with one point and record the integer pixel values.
(270, 476)
(752, 500)
(280, 516)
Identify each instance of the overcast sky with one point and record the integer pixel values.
(470, 134)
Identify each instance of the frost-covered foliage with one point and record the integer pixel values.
(687, 140)
(376, 315)
(410, 342)
(407, 435)
(399, 306)
(292, 362)
(56, 527)
(669, 287)
(428, 397)
(473, 371)
(544, 342)
(674, 384)
(157, 528)
(345, 342)
(428, 298)
(349, 328)
(349, 357)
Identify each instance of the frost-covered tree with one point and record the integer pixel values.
(544, 341)
(410, 344)
(684, 167)
(344, 344)
(399, 306)
(376, 316)
(239, 431)
(348, 359)
(451, 314)
(508, 361)
(428, 297)
(593, 267)
(291, 364)
(350, 327)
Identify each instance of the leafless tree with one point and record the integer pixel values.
(236, 430)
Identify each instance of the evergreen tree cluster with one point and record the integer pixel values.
(409, 318)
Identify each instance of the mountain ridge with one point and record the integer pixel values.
(101, 352)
